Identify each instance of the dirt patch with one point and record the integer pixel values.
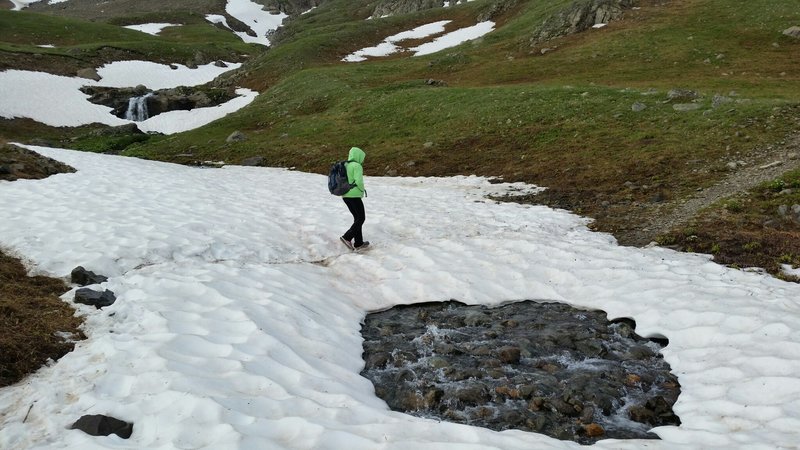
(37, 325)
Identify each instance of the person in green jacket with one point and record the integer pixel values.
(353, 238)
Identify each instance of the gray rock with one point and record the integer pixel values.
(783, 210)
(792, 32)
(236, 136)
(720, 100)
(90, 73)
(219, 63)
(681, 94)
(83, 277)
(638, 107)
(100, 425)
(253, 161)
(683, 107)
(94, 298)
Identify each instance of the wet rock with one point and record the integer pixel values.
(101, 425)
(83, 277)
(593, 430)
(509, 355)
(94, 298)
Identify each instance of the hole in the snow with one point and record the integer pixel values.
(540, 367)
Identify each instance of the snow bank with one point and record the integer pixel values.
(454, 38)
(57, 101)
(237, 323)
(389, 45)
(253, 15)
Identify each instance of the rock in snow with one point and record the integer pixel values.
(100, 425)
(94, 298)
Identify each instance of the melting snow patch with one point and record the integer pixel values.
(388, 46)
(158, 76)
(253, 15)
(454, 38)
(151, 28)
(788, 270)
(599, 25)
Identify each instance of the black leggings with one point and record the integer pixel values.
(356, 207)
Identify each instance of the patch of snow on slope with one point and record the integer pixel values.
(158, 76)
(151, 28)
(253, 15)
(388, 46)
(454, 38)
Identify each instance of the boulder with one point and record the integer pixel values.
(792, 32)
(681, 94)
(236, 136)
(90, 73)
(253, 161)
(638, 107)
(94, 298)
(83, 277)
(100, 425)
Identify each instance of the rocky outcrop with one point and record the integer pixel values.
(18, 163)
(580, 16)
(399, 7)
(156, 102)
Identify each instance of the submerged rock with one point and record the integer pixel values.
(539, 367)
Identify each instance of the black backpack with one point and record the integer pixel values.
(337, 179)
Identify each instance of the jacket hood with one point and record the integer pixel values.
(357, 155)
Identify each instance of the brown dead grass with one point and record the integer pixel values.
(31, 314)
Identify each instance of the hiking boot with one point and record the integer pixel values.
(363, 245)
(346, 242)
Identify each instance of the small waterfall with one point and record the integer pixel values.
(137, 108)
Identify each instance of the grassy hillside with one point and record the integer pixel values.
(81, 44)
(558, 113)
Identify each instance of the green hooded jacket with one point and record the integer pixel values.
(355, 173)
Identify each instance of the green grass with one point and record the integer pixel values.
(76, 39)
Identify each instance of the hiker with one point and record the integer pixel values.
(355, 176)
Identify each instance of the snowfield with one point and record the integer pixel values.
(57, 100)
(238, 312)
